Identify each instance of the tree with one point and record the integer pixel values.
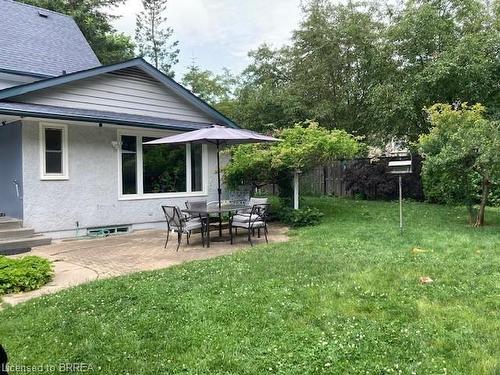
(213, 88)
(250, 165)
(153, 37)
(370, 69)
(444, 51)
(462, 161)
(262, 102)
(95, 24)
(302, 146)
(337, 56)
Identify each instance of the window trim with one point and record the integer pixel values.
(65, 167)
(139, 165)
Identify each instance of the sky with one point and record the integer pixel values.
(219, 33)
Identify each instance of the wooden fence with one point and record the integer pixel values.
(331, 180)
(326, 180)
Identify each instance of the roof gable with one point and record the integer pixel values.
(133, 87)
(41, 42)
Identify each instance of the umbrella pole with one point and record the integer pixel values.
(219, 191)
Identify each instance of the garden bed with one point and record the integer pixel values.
(23, 274)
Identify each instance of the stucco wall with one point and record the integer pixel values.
(11, 170)
(90, 196)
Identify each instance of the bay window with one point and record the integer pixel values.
(159, 170)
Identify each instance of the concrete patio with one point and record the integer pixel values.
(78, 261)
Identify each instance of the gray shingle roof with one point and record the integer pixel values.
(41, 45)
(86, 115)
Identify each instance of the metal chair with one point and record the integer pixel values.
(201, 205)
(214, 203)
(251, 202)
(177, 222)
(196, 204)
(246, 212)
(238, 197)
(254, 201)
(256, 219)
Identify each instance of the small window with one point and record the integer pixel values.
(53, 151)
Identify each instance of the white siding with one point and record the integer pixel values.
(9, 80)
(4, 84)
(127, 91)
(91, 195)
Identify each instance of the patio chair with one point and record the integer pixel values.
(246, 212)
(180, 224)
(220, 220)
(256, 219)
(254, 200)
(195, 205)
(239, 197)
(238, 201)
(214, 203)
(251, 202)
(201, 204)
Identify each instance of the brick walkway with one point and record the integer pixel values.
(83, 260)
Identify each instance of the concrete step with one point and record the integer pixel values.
(9, 223)
(11, 245)
(16, 233)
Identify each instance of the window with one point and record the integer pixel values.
(196, 167)
(164, 168)
(53, 151)
(159, 170)
(129, 165)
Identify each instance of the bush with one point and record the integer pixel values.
(276, 206)
(301, 217)
(302, 147)
(371, 181)
(494, 198)
(280, 210)
(23, 274)
(461, 157)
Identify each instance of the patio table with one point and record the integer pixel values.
(205, 212)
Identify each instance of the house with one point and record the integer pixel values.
(72, 158)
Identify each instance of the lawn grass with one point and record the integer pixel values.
(343, 297)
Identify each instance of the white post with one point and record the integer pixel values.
(296, 190)
(400, 204)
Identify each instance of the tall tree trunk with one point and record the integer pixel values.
(484, 199)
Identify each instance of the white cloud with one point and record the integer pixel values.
(219, 33)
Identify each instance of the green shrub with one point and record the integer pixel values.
(494, 198)
(301, 217)
(280, 210)
(275, 208)
(23, 274)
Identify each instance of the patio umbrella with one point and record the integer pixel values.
(219, 136)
